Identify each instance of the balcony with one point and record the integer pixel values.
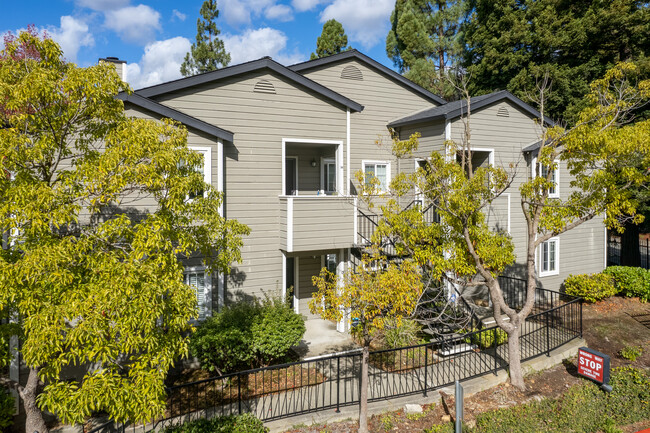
(316, 222)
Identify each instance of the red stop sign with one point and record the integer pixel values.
(593, 365)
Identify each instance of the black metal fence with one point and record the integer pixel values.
(614, 252)
(332, 381)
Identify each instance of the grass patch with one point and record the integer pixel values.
(584, 408)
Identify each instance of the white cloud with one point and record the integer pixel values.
(279, 12)
(253, 44)
(71, 35)
(306, 5)
(178, 14)
(136, 24)
(237, 12)
(365, 21)
(102, 5)
(160, 62)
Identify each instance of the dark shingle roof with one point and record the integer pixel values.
(454, 109)
(243, 68)
(310, 64)
(164, 111)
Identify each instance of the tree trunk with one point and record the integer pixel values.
(34, 421)
(514, 357)
(363, 392)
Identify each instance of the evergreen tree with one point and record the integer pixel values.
(511, 42)
(207, 53)
(424, 41)
(333, 40)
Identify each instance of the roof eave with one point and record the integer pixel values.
(243, 68)
(185, 119)
(310, 64)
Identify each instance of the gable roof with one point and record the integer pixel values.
(243, 68)
(354, 54)
(452, 110)
(164, 111)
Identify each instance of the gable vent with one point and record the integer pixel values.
(264, 86)
(351, 73)
(503, 112)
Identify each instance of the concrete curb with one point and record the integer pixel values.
(471, 387)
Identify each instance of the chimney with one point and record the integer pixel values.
(120, 66)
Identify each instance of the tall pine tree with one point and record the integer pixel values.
(208, 52)
(332, 40)
(510, 42)
(424, 41)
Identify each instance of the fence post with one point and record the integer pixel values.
(496, 347)
(239, 392)
(548, 337)
(580, 306)
(338, 382)
(426, 364)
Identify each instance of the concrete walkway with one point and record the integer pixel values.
(321, 337)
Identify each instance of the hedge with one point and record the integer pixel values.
(631, 281)
(592, 288)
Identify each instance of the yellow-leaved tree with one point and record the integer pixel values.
(376, 292)
(86, 278)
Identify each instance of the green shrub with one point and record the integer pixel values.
(592, 287)
(402, 333)
(631, 352)
(277, 329)
(245, 423)
(247, 335)
(6, 409)
(630, 281)
(485, 339)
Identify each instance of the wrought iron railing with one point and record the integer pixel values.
(331, 382)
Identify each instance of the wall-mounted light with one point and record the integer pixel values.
(313, 162)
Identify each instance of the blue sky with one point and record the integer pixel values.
(154, 35)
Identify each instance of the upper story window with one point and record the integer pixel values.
(542, 170)
(379, 170)
(549, 263)
(204, 169)
(328, 183)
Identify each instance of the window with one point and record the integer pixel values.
(205, 169)
(554, 191)
(379, 170)
(549, 263)
(331, 263)
(201, 282)
(329, 175)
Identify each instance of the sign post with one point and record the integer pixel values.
(594, 365)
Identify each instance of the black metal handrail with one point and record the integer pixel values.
(332, 381)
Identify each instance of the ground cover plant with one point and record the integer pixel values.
(245, 423)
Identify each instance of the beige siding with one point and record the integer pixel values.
(582, 249)
(383, 100)
(309, 266)
(253, 163)
(322, 223)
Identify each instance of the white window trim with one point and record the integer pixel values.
(207, 290)
(537, 168)
(375, 162)
(207, 163)
(323, 185)
(556, 271)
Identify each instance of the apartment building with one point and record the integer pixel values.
(284, 144)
